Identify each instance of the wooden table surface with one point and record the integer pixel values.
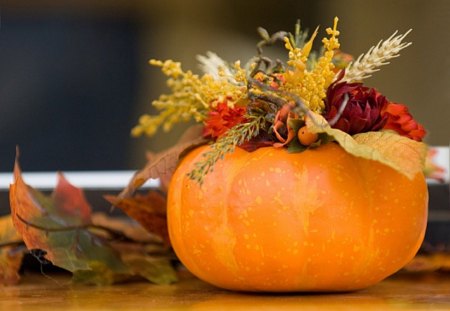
(401, 292)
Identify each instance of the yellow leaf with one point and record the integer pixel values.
(398, 152)
(308, 45)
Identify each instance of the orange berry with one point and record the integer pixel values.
(305, 137)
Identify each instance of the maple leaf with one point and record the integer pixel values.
(61, 229)
(162, 165)
(58, 225)
(121, 228)
(149, 210)
(144, 253)
(11, 252)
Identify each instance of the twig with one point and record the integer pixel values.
(276, 100)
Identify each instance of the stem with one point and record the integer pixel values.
(114, 234)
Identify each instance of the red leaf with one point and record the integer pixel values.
(149, 210)
(23, 205)
(70, 200)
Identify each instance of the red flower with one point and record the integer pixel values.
(222, 118)
(400, 120)
(362, 112)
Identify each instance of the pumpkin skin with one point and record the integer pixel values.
(319, 220)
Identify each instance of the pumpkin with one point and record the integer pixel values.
(319, 220)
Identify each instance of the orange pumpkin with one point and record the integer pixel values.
(319, 220)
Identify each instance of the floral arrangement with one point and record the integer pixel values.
(307, 101)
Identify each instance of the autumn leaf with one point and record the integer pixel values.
(439, 261)
(11, 252)
(149, 210)
(97, 249)
(162, 165)
(144, 254)
(59, 225)
(155, 270)
(121, 228)
(98, 274)
(398, 152)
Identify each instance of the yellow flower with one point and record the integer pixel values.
(190, 97)
(311, 85)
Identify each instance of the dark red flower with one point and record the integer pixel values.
(222, 118)
(362, 112)
(400, 120)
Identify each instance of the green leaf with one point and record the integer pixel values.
(398, 152)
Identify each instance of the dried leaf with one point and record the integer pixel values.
(52, 224)
(156, 270)
(70, 201)
(149, 210)
(98, 274)
(400, 153)
(127, 227)
(162, 165)
(283, 120)
(428, 263)
(260, 141)
(10, 256)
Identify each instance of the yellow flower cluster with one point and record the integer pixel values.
(191, 96)
(311, 85)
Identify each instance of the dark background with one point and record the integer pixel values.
(74, 76)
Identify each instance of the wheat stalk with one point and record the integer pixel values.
(377, 56)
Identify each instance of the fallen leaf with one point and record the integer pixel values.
(58, 225)
(149, 210)
(10, 256)
(127, 227)
(69, 201)
(98, 250)
(98, 274)
(439, 261)
(156, 270)
(398, 152)
(162, 165)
